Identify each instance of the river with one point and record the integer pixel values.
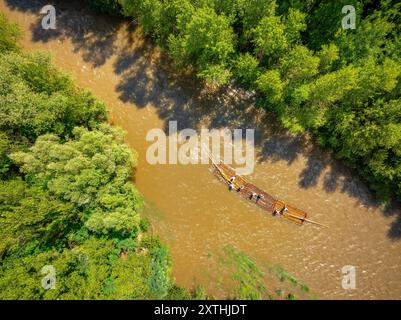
(192, 211)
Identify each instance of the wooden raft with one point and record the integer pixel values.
(268, 202)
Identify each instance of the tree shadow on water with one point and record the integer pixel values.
(394, 232)
(92, 35)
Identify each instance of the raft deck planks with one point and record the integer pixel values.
(268, 202)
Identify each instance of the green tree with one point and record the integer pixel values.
(31, 218)
(159, 280)
(251, 13)
(271, 85)
(36, 98)
(269, 38)
(328, 55)
(9, 34)
(246, 69)
(324, 21)
(299, 65)
(206, 40)
(5, 148)
(294, 23)
(91, 172)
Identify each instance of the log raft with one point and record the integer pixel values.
(266, 201)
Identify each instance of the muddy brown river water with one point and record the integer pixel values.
(192, 211)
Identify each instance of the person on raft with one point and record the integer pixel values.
(240, 188)
(285, 209)
(277, 213)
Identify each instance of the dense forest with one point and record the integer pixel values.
(342, 85)
(65, 195)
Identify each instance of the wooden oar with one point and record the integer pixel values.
(216, 166)
(305, 220)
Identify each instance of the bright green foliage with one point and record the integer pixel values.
(252, 11)
(369, 138)
(328, 55)
(227, 7)
(294, 25)
(148, 13)
(91, 172)
(274, 35)
(310, 102)
(81, 273)
(271, 85)
(128, 278)
(5, 146)
(170, 11)
(146, 274)
(299, 65)
(269, 38)
(159, 280)
(332, 87)
(206, 39)
(35, 98)
(9, 34)
(31, 217)
(39, 74)
(246, 69)
(21, 278)
(215, 73)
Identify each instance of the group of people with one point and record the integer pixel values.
(280, 212)
(254, 195)
(232, 185)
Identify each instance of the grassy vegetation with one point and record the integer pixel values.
(252, 281)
